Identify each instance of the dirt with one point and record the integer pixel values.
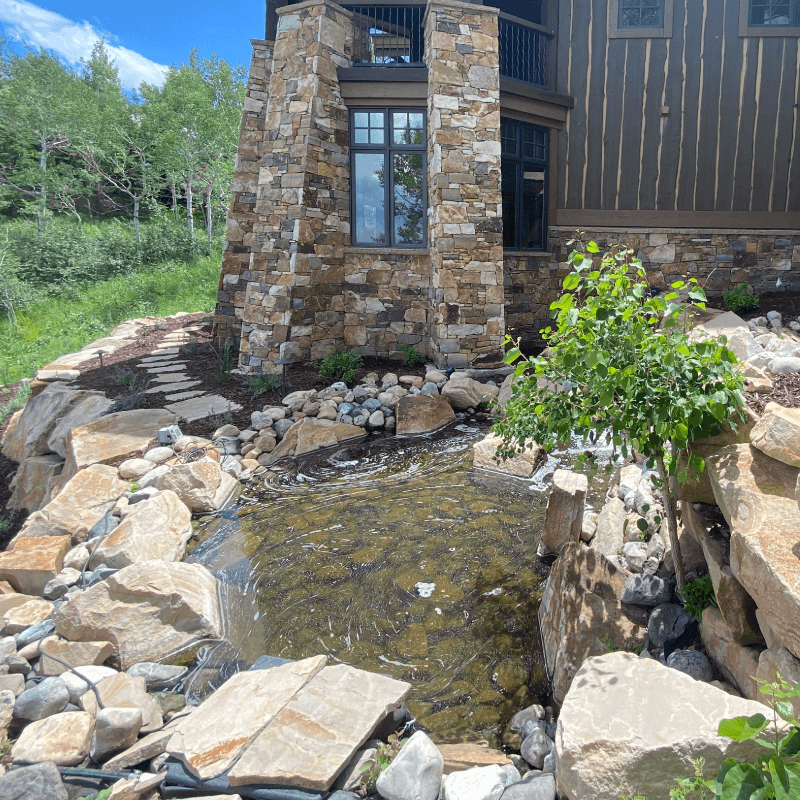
(787, 303)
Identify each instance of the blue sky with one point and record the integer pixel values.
(144, 37)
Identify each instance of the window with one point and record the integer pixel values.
(640, 19)
(387, 148)
(524, 166)
(769, 18)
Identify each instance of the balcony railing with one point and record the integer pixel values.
(524, 50)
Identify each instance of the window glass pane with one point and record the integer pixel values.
(360, 119)
(409, 210)
(642, 13)
(407, 128)
(360, 136)
(778, 13)
(508, 184)
(376, 136)
(369, 181)
(532, 208)
(376, 119)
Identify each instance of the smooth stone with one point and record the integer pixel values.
(667, 621)
(62, 738)
(115, 729)
(135, 468)
(200, 485)
(77, 685)
(534, 786)
(157, 676)
(692, 663)
(415, 773)
(646, 590)
(122, 691)
(536, 746)
(34, 633)
(55, 589)
(478, 783)
(75, 654)
(37, 782)
(48, 698)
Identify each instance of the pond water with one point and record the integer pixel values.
(395, 556)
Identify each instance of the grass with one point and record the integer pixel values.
(16, 403)
(68, 321)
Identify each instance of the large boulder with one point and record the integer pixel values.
(563, 518)
(756, 494)
(82, 413)
(63, 739)
(423, 414)
(200, 485)
(463, 392)
(80, 505)
(777, 434)
(33, 482)
(581, 615)
(612, 522)
(737, 663)
(778, 660)
(157, 528)
(33, 562)
(149, 611)
(630, 726)
(311, 434)
(522, 465)
(110, 439)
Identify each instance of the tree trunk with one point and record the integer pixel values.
(208, 216)
(136, 220)
(189, 215)
(42, 191)
(174, 201)
(669, 493)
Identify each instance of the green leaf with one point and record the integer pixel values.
(512, 355)
(742, 782)
(592, 248)
(785, 710)
(740, 729)
(790, 744)
(785, 781)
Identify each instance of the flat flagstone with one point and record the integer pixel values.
(174, 378)
(177, 366)
(314, 736)
(184, 395)
(173, 387)
(202, 407)
(166, 356)
(161, 350)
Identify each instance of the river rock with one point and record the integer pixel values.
(122, 691)
(777, 434)
(580, 612)
(609, 536)
(646, 590)
(463, 392)
(33, 562)
(37, 782)
(43, 700)
(478, 783)
(115, 729)
(318, 730)
(148, 611)
(522, 465)
(77, 686)
(200, 485)
(33, 482)
(668, 621)
(608, 746)
(534, 786)
(563, 519)
(692, 663)
(157, 529)
(423, 414)
(756, 494)
(311, 434)
(415, 773)
(536, 746)
(63, 739)
(135, 468)
(75, 654)
(157, 676)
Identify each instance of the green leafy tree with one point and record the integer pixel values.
(621, 361)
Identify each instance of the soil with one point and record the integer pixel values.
(787, 303)
(785, 391)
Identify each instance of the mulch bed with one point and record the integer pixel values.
(785, 392)
(786, 303)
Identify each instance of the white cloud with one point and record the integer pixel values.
(27, 23)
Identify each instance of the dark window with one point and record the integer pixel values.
(524, 185)
(388, 177)
(774, 13)
(641, 13)
(388, 35)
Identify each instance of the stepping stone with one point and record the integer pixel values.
(162, 370)
(165, 350)
(172, 387)
(170, 362)
(175, 378)
(183, 395)
(166, 355)
(202, 407)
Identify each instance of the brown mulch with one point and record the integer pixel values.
(786, 303)
(785, 392)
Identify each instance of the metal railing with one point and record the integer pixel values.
(524, 50)
(388, 35)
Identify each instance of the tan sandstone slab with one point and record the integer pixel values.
(522, 465)
(63, 739)
(33, 562)
(756, 495)
(32, 481)
(314, 736)
(423, 414)
(82, 413)
(157, 528)
(736, 662)
(563, 518)
(150, 611)
(123, 691)
(777, 434)
(173, 387)
(202, 407)
(149, 746)
(216, 733)
(33, 612)
(200, 485)
(465, 755)
(75, 654)
(311, 434)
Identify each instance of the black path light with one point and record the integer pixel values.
(283, 363)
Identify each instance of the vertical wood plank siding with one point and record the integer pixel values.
(730, 141)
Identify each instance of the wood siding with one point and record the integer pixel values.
(731, 138)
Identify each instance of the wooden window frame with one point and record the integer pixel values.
(746, 29)
(615, 32)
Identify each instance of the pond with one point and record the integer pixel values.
(395, 556)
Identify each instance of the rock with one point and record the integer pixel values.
(282, 426)
(43, 700)
(784, 365)
(22, 617)
(415, 773)
(33, 562)
(607, 746)
(37, 782)
(139, 787)
(668, 621)
(111, 438)
(534, 786)
(779, 660)
(146, 748)
(635, 555)
(80, 505)
(610, 534)
(16, 665)
(122, 691)
(737, 664)
(646, 590)
(77, 686)
(332, 715)
(63, 739)
(423, 414)
(75, 654)
(691, 552)
(115, 729)
(148, 611)
(581, 611)
(200, 485)
(465, 755)
(478, 783)
(376, 419)
(135, 468)
(157, 676)
(692, 663)
(55, 589)
(439, 379)
(12, 683)
(522, 465)
(563, 520)
(77, 557)
(463, 392)
(536, 746)
(756, 495)
(309, 435)
(156, 529)
(33, 482)
(225, 430)
(7, 700)
(533, 713)
(777, 434)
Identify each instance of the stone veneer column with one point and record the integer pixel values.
(236, 257)
(292, 305)
(465, 213)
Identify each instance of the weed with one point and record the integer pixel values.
(740, 299)
(384, 755)
(261, 384)
(134, 487)
(4, 526)
(17, 402)
(104, 795)
(127, 379)
(411, 356)
(698, 595)
(226, 358)
(341, 366)
(608, 642)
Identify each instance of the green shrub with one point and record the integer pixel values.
(341, 366)
(261, 384)
(698, 595)
(739, 298)
(384, 755)
(411, 356)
